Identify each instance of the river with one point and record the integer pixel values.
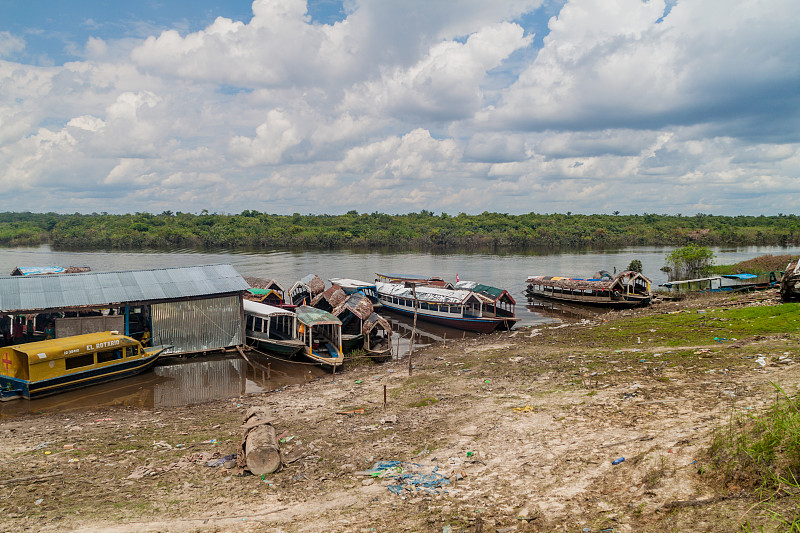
(230, 378)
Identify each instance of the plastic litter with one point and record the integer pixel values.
(617, 461)
(221, 460)
(410, 477)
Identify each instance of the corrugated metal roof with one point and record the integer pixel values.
(20, 293)
(425, 294)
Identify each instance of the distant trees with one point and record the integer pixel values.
(688, 262)
(421, 230)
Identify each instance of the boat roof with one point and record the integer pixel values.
(311, 316)
(65, 291)
(487, 291)
(742, 276)
(358, 304)
(53, 349)
(408, 277)
(428, 294)
(687, 281)
(591, 283)
(256, 308)
(348, 282)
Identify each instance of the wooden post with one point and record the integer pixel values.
(384, 396)
(269, 371)
(414, 326)
(444, 341)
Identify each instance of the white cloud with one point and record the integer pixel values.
(417, 105)
(10, 44)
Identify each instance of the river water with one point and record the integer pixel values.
(175, 382)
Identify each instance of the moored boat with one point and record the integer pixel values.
(353, 312)
(353, 286)
(419, 280)
(321, 333)
(377, 337)
(271, 328)
(626, 289)
(460, 309)
(42, 368)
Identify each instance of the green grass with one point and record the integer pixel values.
(762, 453)
(697, 327)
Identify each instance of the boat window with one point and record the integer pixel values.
(249, 322)
(257, 324)
(113, 355)
(78, 361)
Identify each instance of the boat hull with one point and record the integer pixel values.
(625, 301)
(477, 325)
(277, 347)
(39, 389)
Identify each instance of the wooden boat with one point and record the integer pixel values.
(353, 286)
(271, 328)
(460, 309)
(377, 337)
(626, 289)
(724, 283)
(427, 281)
(268, 292)
(353, 312)
(329, 299)
(495, 301)
(321, 333)
(42, 368)
(303, 291)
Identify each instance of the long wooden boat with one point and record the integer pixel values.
(271, 328)
(419, 280)
(354, 286)
(460, 309)
(38, 369)
(626, 289)
(724, 283)
(321, 333)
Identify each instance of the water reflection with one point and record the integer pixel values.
(562, 311)
(175, 383)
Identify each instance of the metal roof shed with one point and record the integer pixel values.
(192, 308)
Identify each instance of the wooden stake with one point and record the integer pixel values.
(384, 396)
(414, 326)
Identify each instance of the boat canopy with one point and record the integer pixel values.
(374, 320)
(688, 281)
(54, 349)
(619, 281)
(356, 303)
(740, 277)
(264, 310)
(311, 316)
(427, 294)
(486, 292)
(334, 295)
(354, 283)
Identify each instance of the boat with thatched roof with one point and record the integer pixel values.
(626, 289)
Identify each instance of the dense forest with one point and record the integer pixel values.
(423, 230)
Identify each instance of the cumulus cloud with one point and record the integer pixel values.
(417, 105)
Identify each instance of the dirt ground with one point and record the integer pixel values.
(522, 429)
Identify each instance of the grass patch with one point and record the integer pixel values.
(762, 453)
(424, 402)
(698, 327)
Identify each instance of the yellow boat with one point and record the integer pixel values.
(48, 367)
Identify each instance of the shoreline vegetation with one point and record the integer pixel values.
(424, 230)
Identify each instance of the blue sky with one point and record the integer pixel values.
(395, 106)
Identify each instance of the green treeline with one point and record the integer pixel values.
(423, 230)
